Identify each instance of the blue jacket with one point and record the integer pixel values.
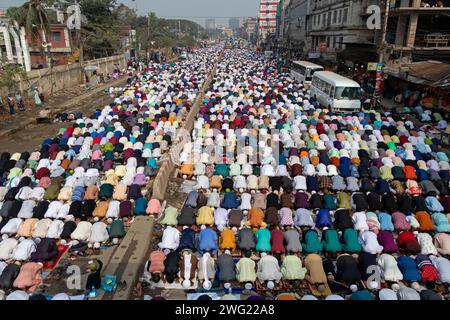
(382, 186)
(344, 167)
(192, 199)
(207, 240)
(386, 222)
(78, 193)
(230, 201)
(422, 175)
(323, 219)
(433, 204)
(140, 206)
(187, 240)
(312, 184)
(408, 267)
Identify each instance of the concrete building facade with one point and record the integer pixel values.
(267, 18)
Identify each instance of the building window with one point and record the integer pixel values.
(329, 19)
(56, 36)
(344, 17)
(314, 20)
(340, 16)
(334, 42)
(318, 19)
(324, 19)
(334, 16)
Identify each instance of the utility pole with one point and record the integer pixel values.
(383, 32)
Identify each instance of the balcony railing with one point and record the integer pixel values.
(434, 40)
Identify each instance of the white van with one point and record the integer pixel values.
(336, 92)
(303, 71)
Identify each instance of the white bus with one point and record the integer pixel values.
(302, 71)
(336, 92)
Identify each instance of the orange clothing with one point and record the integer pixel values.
(315, 160)
(426, 224)
(255, 217)
(410, 173)
(227, 240)
(187, 169)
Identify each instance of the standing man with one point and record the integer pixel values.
(10, 102)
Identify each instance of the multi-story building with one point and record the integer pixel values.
(293, 26)
(250, 27)
(336, 25)
(60, 46)
(417, 33)
(267, 18)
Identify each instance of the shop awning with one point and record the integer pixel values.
(429, 73)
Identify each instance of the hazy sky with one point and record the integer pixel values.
(197, 10)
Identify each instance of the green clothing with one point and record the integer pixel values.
(331, 241)
(312, 243)
(351, 243)
(362, 295)
(343, 200)
(245, 270)
(292, 268)
(221, 170)
(386, 173)
(170, 217)
(37, 99)
(263, 240)
(391, 145)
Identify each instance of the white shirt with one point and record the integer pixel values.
(55, 229)
(82, 231)
(247, 169)
(369, 242)
(246, 201)
(12, 226)
(170, 238)
(113, 209)
(99, 232)
(63, 211)
(7, 247)
(389, 268)
(300, 183)
(213, 199)
(202, 182)
(53, 209)
(443, 267)
(24, 250)
(309, 170)
(360, 221)
(26, 211)
(240, 182)
(221, 217)
(267, 170)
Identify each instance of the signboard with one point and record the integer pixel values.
(372, 66)
(379, 67)
(314, 55)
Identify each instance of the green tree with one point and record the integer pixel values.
(11, 75)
